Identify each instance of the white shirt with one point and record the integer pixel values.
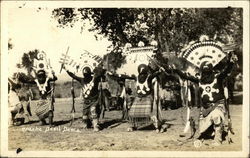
(13, 98)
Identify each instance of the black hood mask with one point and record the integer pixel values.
(41, 76)
(86, 72)
(143, 72)
(207, 73)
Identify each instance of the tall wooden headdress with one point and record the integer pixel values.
(204, 50)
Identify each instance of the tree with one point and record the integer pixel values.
(27, 60)
(113, 60)
(173, 28)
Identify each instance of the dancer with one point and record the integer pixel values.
(212, 97)
(44, 77)
(90, 95)
(143, 110)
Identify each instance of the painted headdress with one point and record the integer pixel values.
(41, 64)
(86, 60)
(135, 56)
(204, 51)
(140, 55)
(89, 60)
(42, 68)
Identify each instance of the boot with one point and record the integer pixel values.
(85, 122)
(12, 119)
(27, 118)
(156, 123)
(217, 136)
(50, 121)
(50, 118)
(95, 125)
(42, 122)
(130, 129)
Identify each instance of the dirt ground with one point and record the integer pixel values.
(113, 136)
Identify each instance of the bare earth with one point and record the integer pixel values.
(113, 136)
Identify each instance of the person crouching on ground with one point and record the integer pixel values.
(17, 105)
(14, 102)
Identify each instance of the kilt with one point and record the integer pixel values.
(91, 107)
(43, 108)
(141, 111)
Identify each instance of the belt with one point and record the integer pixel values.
(89, 100)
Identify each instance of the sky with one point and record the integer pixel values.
(30, 29)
